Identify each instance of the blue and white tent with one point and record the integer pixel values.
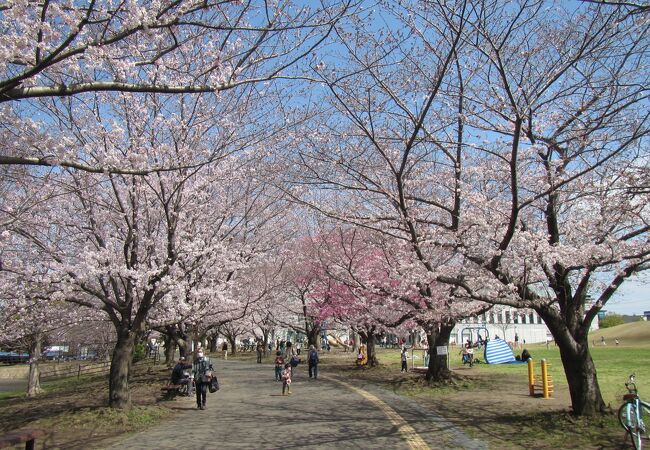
(497, 351)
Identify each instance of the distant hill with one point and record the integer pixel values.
(629, 334)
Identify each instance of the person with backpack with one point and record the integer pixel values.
(293, 363)
(312, 360)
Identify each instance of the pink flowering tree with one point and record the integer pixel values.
(356, 287)
(370, 285)
(298, 306)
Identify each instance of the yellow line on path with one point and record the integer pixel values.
(411, 436)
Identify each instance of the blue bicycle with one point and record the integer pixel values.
(632, 412)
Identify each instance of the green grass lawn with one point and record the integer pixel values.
(613, 366)
(532, 423)
(613, 363)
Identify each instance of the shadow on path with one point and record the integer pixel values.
(250, 412)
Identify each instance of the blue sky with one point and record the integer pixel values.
(633, 297)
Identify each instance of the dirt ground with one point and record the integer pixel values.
(497, 411)
(76, 415)
(500, 411)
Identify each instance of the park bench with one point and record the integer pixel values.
(27, 436)
(171, 390)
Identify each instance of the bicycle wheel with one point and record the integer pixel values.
(628, 418)
(622, 414)
(643, 425)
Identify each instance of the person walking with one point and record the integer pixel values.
(279, 365)
(224, 349)
(286, 379)
(260, 350)
(403, 357)
(312, 361)
(202, 376)
(289, 351)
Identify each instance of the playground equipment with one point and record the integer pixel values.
(467, 333)
(546, 388)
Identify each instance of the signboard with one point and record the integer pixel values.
(441, 350)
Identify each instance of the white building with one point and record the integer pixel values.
(506, 323)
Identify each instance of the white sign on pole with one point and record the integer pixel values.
(441, 350)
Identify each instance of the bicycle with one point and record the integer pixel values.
(631, 414)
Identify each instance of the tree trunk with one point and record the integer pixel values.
(368, 335)
(213, 343)
(183, 347)
(265, 341)
(580, 371)
(438, 336)
(356, 342)
(33, 382)
(179, 338)
(372, 353)
(233, 347)
(579, 368)
(118, 387)
(170, 349)
(313, 335)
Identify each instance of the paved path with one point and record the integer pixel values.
(249, 412)
(7, 384)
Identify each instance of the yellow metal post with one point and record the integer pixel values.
(545, 383)
(531, 377)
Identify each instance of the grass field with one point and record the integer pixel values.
(613, 363)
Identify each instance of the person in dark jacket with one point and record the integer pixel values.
(179, 368)
(260, 350)
(312, 360)
(202, 376)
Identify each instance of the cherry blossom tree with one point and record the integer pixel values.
(568, 112)
(356, 288)
(506, 146)
(249, 217)
(28, 316)
(123, 244)
(265, 284)
(100, 92)
(54, 50)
